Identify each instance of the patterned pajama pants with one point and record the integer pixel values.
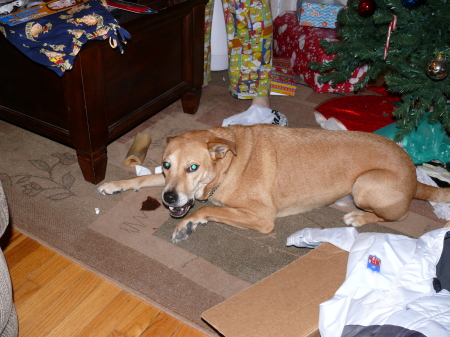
(249, 34)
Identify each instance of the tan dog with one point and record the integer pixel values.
(260, 172)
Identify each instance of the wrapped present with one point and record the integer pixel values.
(301, 45)
(318, 13)
(282, 80)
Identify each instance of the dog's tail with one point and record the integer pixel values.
(431, 193)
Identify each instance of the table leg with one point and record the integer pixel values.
(93, 165)
(191, 100)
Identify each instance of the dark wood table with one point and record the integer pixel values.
(107, 93)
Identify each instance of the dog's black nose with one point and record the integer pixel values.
(170, 197)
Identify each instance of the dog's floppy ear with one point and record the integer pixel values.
(168, 139)
(218, 147)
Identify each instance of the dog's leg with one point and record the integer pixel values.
(136, 183)
(382, 196)
(244, 218)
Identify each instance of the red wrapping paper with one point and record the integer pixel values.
(361, 113)
(301, 44)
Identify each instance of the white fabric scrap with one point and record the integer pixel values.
(441, 209)
(312, 237)
(158, 169)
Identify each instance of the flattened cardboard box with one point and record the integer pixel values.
(285, 303)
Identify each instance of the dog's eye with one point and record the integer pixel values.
(166, 165)
(193, 168)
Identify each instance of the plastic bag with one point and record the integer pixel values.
(427, 142)
(256, 114)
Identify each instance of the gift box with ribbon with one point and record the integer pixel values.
(301, 45)
(318, 13)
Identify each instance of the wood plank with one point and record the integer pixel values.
(88, 301)
(137, 321)
(163, 326)
(45, 296)
(49, 269)
(30, 263)
(185, 330)
(45, 321)
(83, 314)
(10, 240)
(23, 291)
(20, 251)
(196, 333)
(112, 315)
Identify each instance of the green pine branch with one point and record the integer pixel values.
(420, 35)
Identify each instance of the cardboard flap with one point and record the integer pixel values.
(285, 303)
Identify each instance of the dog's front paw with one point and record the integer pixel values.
(109, 188)
(355, 219)
(182, 233)
(184, 229)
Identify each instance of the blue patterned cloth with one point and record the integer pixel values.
(55, 40)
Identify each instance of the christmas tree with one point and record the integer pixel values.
(407, 39)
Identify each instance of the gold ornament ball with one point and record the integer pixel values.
(438, 68)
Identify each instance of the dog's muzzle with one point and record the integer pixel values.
(171, 198)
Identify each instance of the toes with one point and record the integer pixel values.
(106, 189)
(355, 219)
(182, 234)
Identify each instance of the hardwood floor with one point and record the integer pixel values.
(56, 297)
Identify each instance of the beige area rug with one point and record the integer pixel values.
(50, 201)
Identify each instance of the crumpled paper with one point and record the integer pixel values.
(441, 209)
(330, 123)
(144, 171)
(257, 114)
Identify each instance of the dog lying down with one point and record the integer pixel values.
(259, 172)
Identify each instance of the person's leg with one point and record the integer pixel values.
(262, 101)
(249, 32)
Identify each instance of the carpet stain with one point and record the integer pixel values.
(150, 204)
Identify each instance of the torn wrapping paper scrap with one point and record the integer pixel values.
(330, 123)
(441, 209)
(142, 171)
(256, 114)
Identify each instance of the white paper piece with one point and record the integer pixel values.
(142, 171)
(330, 123)
(435, 172)
(256, 114)
(158, 169)
(345, 201)
(8, 8)
(441, 209)
(97, 210)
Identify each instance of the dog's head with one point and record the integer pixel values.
(190, 163)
